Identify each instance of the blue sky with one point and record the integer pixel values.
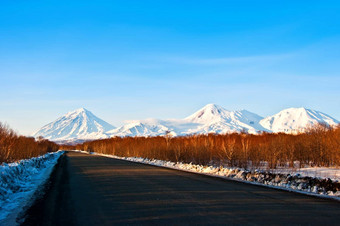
(165, 59)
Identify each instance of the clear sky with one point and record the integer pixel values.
(127, 60)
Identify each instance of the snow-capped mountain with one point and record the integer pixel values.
(215, 119)
(293, 120)
(78, 124)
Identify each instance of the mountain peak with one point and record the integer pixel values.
(209, 113)
(213, 118)
(79, 124)
(80, 110)
(295, 109)
(212, 107)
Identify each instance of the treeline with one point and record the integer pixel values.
(14, 147)
(318, 146)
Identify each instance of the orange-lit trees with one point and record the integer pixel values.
(319, 145)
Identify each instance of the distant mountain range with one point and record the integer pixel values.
(81, 124)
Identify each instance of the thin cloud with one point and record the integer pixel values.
(228, 60)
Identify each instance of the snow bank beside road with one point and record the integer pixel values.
(318, 172)
(20, 180)
(323, 187)
(296, 182)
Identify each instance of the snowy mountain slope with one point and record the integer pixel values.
(294, 120)
(78, 124)
(215, 119)
(147, 127)
(153, 127)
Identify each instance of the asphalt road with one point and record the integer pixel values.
(92, 190)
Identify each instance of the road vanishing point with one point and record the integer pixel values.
(93, 190)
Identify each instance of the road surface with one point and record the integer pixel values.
(93, 190)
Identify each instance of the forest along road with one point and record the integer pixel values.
(93, 190)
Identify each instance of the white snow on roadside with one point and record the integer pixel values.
(301, 181)
(19, 181)
(317, 172)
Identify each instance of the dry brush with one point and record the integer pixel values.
(318, 146)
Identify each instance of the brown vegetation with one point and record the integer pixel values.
(14, 147)
(318, 146)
